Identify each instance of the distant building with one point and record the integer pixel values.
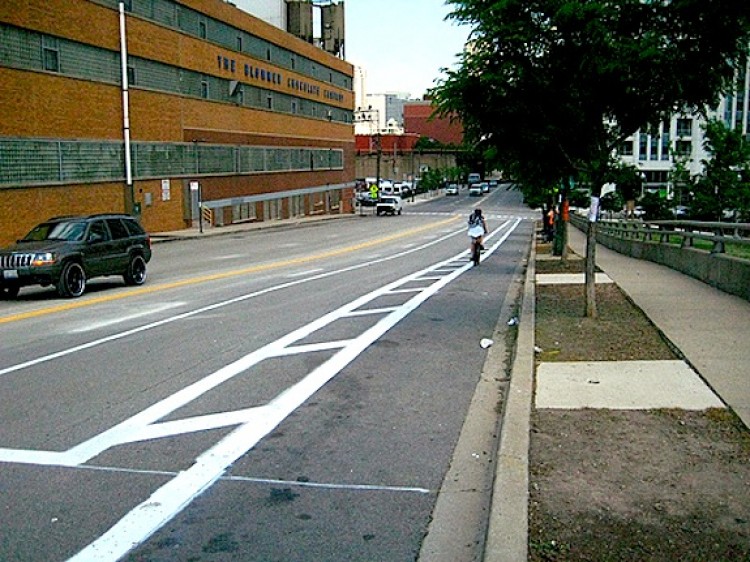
(654, 150)
(389, 144)
(417, 119)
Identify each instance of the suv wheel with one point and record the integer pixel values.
(9, 292)
(72, 282)
(136, 272)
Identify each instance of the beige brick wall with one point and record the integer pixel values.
(34, 104)
(21, 209)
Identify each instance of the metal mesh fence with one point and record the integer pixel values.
(39, 161)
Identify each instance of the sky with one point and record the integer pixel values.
(402, 44)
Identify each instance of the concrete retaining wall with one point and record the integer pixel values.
(728, 273)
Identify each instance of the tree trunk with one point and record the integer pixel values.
(565, 213)
(591, 311)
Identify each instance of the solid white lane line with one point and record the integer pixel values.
(352, 487)
(273, 482)
(303, 273)
(152, 309)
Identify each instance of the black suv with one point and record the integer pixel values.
(66, 251)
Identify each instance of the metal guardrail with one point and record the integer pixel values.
(675, 232)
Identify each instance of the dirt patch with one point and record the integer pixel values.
(620, 333)
(612, 485)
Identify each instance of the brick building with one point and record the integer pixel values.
(216, 98)
(417, 120)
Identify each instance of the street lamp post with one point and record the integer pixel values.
(371, 116)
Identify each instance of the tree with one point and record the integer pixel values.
(627, 180)
(556, 85)
(725, 182)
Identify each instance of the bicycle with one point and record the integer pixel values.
(476, 249)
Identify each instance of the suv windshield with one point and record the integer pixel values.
(72, 231)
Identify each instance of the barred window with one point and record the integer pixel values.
(50, 53)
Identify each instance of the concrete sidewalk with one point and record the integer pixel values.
(710, 328)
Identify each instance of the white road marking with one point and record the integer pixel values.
(227, 257)
(355, 487)
(273, 482)
(303, 273)
(151, 309)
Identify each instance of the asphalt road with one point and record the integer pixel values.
(290, 394)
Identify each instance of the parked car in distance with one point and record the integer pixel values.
(680, 212)
(475, 190)
(452, 189)
(402, 189)
(68, 251)
(389, 205)
(365, 198)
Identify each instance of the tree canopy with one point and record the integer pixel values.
(725, 183)
(553, 87)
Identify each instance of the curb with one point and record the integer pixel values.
(213, 231)
(508, 529)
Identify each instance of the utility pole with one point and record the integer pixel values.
(371, 116)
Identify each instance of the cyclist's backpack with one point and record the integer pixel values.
(475, 220)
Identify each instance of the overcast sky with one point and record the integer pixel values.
(402, 44)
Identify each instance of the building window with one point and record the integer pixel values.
(626, 148)
(51, 60)
(294, 62)
(239, 43)
(684, 127)
(683, 148)
(642, 146)
(204, 89)
(295, 109)
(665, 143)
(202, 31)
(131, 75)
(268, 53)
(269, 101)
(50, 54)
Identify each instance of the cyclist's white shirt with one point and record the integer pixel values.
(476, 230)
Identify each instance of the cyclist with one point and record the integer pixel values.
(477, 229)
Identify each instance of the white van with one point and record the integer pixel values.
(387, 188)
(474, 178)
